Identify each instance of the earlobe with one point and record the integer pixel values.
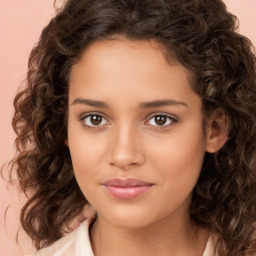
(66, 142)
(217, 128)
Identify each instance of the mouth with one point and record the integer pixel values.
(126, 189)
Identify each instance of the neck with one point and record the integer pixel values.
(178, 237)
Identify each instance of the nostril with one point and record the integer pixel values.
(124, 148)
(124, 161)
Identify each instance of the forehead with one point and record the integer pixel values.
(124, 68)
(121, 53)
(122, 44)
(106, 53)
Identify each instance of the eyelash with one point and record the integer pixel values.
(167, 116)
(172, 120)
(82, 119)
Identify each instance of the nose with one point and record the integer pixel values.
(126, 149)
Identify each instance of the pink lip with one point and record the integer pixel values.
(126, 189)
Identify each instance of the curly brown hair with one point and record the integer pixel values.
(201, 35)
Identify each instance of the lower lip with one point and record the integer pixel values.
(126, 193)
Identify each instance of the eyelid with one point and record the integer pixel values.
(87, 114)
(174, 120)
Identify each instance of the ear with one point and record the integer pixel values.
(66, 142)
(217, 127)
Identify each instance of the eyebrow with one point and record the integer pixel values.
(151, 104)
(92, 103)
(161, 103)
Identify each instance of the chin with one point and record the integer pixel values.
(130, 218)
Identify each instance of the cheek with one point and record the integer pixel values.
(86, 154)
(179, 156)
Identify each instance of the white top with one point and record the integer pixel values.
(77, 243)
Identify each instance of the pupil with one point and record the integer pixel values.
(160, 120)
(96, 120)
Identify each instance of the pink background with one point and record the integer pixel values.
(20, 24)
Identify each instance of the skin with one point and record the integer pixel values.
(127, 142)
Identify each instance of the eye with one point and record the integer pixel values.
(161, 120)
(94, 120)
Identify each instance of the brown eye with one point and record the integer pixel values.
(161, 120)
(94, 120)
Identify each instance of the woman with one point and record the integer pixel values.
(144, 111)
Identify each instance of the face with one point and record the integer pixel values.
(132, 115)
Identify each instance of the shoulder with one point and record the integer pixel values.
(210, 246)
(76, 243)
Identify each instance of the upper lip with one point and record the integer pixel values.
(126, 182)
